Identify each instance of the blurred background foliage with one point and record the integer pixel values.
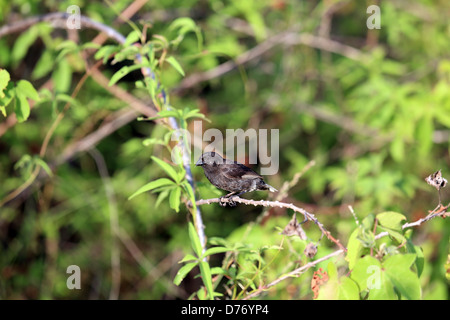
(371, 107)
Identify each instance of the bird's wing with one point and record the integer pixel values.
(238, 170)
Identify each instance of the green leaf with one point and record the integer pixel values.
(62, 76)
(188, 257)
(194, 114)
(4, 80)
(424, 134)
(174, 63)
(167, 168)
(162, 195)
(397, 149)
(44, 66)
(165, 114)
(354, 249)
(123, 72)
(195, 240)
(182, 273)
(43, 165)
(420, 259)
(365, 273)
(26, 88)
(332, 271)
(22, 108)
(370, 277)
(174, 199)
(132, 37)
(23, 43)
(152, 185)
(207, 278)
(397, 268)
(105, 52)
(392, 222)
(215, 250)
(190, 192)
(348, 289)
(184, 25)
(9, 94)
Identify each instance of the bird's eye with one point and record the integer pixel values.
(213, 154)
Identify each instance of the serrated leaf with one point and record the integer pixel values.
(215, 250)
(105, 52)
(207, 278)
(167, 168)
(152, 185)
(218, 270)
(183, 272)
(162, 195)
(195, 240)
(174, 63)
(174, 198)
(188, 257)
(122, 73)
(132, 37)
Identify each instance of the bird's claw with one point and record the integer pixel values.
(222, 203)
(230, 201)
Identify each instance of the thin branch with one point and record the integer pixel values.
(439, 211)
(308, 216)
(285, 189)
(287, 38)
(113, 220)
(294, 273)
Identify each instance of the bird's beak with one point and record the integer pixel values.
(199, 162)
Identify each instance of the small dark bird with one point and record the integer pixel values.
(231, 176)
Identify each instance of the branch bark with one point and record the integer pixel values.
(308, 216)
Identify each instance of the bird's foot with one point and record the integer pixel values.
(229, 201)
(221, 202)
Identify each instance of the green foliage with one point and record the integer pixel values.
(19, 93)
(371, 107)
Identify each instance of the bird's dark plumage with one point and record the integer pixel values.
(231, 176)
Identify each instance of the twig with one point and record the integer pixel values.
(294, 273)
(439, 211)
(288, 38)
(114, 223)
(274, 204)
(286, 187)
